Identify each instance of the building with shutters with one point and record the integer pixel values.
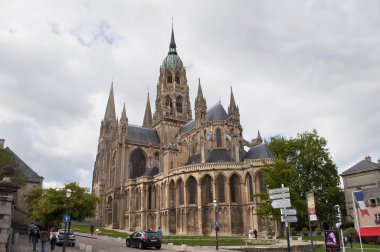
(167, 172)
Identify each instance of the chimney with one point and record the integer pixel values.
(367, 158)
(2, 144)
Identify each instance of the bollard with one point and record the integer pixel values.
(89, 248)
(82, 246)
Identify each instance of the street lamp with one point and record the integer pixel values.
(215, 203)
(68, 195)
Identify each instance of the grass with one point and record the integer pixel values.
(103, 231)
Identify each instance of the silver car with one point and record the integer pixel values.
(61, 237)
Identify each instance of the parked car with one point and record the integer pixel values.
(144, 239)
(70, 239)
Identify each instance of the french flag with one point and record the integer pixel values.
(359, 199)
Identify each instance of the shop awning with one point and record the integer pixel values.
(369, 231)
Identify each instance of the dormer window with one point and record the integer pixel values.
(372, 201)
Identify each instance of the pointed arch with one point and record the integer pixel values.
(235, 195)
(180, 191)
(177, 78)
(220, 188)
(191, 186)
(207, 190)
(179, 104)
(138, 163)
(218, 135)
(172, 194)
(249, 186)
(169, 104)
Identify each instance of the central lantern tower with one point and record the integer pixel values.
(173, 108)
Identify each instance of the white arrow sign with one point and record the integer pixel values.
(287, 218)
(288, 211)
(281, 203)
(278, 190)
(279, 196)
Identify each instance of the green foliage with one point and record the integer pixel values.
(6, 158)
(305, 231)
(318, 230)
(304, 165)
(49, 205)
(350, 231)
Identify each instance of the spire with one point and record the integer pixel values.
(110, 110)
(148, 114)
(199, 100)
(259, 139)
(172, 46)
(232, 101)
(123, 115)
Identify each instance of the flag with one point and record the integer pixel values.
(359, 199)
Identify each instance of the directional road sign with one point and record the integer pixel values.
(217, 223)
(279, 196)
(288, 211)
(278, 190)
(66, 218)
(287, 218)
(281, 203)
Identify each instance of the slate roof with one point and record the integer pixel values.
(215, 156)
(362, 166)
(143, 135)
(152, 171)
(259, 151)
(29, 174)
(215, 113)
(373, 192)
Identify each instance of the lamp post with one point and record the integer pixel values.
(65, 234)
(215, 203)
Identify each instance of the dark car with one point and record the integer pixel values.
(143, 239)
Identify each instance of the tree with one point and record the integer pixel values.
(7, 158)
(304, 165)
(49, 205)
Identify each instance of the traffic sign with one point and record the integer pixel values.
(278, 190)
(281, 203)
(279, 196)
(288, 211)
(217, 228)
(287, 218)
(217, 223)
(66, 218)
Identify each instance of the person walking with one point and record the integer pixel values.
(30, 226)
(53, 239)
(159, 233)
(44, 239)
(35, 235)
(92, 230)
(255, 233)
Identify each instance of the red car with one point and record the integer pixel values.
(144, 239)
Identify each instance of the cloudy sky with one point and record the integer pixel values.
(294, 66)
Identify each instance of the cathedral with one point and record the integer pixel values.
(179, 171)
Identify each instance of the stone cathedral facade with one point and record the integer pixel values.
(167, 172)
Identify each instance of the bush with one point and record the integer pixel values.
(294, 231)
(305, 231)
(350, 231)
(318, 230)
(270, 232)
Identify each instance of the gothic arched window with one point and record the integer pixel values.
(179, 104)
(250, 187)
(263, 188)
(207, 190)
(234, 189)
(220, 194)
(192, 190)
(138, 163)
(181, 191)
(171, 194)
(170, 78)
(177, 79)
(218, 135)
(169, 104)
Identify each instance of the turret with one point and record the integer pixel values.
(200, 107)
(148, 114)
(233, 110)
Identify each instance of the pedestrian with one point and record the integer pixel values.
(53, 239)
(30, 226)
(35, 235)
(345, 241)
(255, 233)
(349, 239)
(159, 233)
(92, 229)
(44, 239)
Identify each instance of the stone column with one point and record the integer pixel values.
(7, 189)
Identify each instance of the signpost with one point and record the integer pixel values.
(281, 199)
(66, 218)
